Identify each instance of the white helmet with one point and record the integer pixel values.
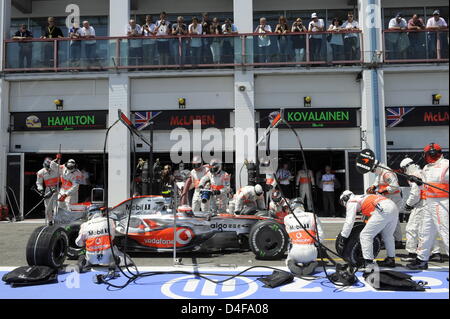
(299, 209)
(71, 164)
(405, 163)
(196, 162)
(258, 190)
(345, 196)
(215, 166)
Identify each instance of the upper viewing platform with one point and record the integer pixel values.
(78, 37)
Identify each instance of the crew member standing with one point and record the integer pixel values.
(304, 181)
(285, 177)
(70, 183)
(220, 186)
(386, 184)
(435, 218)
(329, 184)
(193, 182)
(382, 214)
(415, 204)
(47, 183)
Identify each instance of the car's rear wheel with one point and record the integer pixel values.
(73, 251)
(268, 240)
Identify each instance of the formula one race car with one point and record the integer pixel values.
(147, 223)
(151, 225)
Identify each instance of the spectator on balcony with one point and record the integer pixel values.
(87, 33)
(51, 32)
(351, 39)
(299, 41)
(25, 47)
(195, 29)
(180, 29)
(206, 41)
(316, 25)
(75, 45)
(437, 39)
(149, 44)
(134, 30)
(263, 40)
(416, 49)
(397, 42)
(282, 29)
(336, 39)
(216, 43)
(162, 31)
(228, 48)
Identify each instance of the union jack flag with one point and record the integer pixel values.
(143, 119)
(394, 115)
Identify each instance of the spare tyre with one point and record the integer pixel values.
(352, 250)
(268, 240)
(73, 251)
(47, 246)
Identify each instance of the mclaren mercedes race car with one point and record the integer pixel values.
(151, 224)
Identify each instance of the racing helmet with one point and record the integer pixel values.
(71, 164)
(258, 190)
(196, 162)
(94, 211)
(215, 166)
(405, 163)
(47, 162)
(432, 152)
(297, 203)
(345, 196)
(276, 196)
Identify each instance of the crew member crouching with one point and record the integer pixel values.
(302, 255)
(95, 237)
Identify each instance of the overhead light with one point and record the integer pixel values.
(59, 104)
(182, 103)
(307, 101)
(436, 98)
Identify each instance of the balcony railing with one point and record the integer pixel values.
(183, 52)
(410, 46)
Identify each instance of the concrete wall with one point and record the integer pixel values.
(58, 8)
(199, 92)
(191, 6)
(77, 95)
(48, 142)
(415, 138)
(415, 89)
(327, 90)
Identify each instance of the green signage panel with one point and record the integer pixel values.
(57, 121)
(315, 117)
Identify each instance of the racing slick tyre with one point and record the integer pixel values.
(352, 250)
(47, 246)
(73, 251)
(268, 240)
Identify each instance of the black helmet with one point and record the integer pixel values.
(276, 196)
(215, 166)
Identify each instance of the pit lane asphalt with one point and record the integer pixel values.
(14, 237)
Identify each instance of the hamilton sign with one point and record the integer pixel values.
(55, 121)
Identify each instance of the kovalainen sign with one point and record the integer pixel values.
(56, 121)
(316, 117)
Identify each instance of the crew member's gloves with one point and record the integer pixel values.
(340, 243)
(58, 156)
(414, 179)
(383, 192)
(216, 192)
(408, 208)
(41, 191)
(62, 198)
(371, 189)
(237, 212)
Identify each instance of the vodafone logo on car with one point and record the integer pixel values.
(164, 238)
